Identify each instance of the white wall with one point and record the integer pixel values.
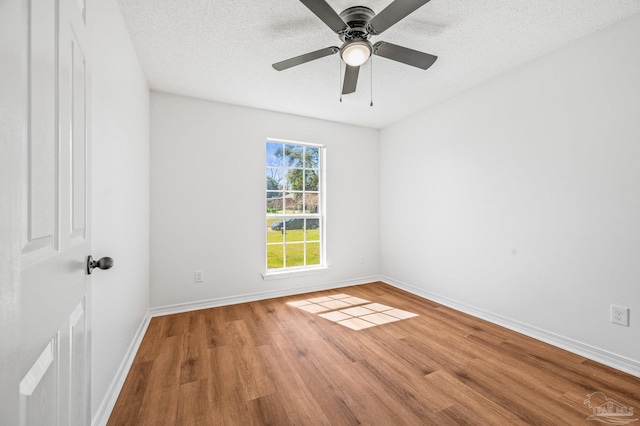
(521, 197)
(207, 199)
(120, 222)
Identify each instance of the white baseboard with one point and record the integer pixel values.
(595, 354)
(104, 411)
(252, 297)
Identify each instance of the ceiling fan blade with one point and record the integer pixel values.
(298, 60)
(326, 13)
(350, 80)
(396, 11)
(404, 54)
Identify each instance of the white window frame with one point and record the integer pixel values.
(292, 271)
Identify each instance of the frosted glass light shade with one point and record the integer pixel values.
(356, 53)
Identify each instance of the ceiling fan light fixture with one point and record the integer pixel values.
(356, 52)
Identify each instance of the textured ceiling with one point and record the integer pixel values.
(223, 50)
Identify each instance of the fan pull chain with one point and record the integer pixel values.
(340, 81)
(371, 80)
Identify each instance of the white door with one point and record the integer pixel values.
(45, 300)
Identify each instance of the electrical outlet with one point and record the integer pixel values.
(620, 315)
(197, 276)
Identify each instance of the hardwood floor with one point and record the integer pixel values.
(271, 363)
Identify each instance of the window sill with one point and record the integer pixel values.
(292, 273)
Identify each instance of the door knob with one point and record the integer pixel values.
(104, 263)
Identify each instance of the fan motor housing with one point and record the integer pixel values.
(357, 18)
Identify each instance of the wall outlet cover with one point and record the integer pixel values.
(620, 315)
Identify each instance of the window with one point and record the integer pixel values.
(294, 206)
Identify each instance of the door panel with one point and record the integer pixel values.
(78, 366)
(78, 140)
(40, 168)
(36, 388)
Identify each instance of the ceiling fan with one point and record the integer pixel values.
(354, 26)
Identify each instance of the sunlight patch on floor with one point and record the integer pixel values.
(352, 312)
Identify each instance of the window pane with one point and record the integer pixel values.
(295, 254)
(311, 180)
(313, 253)
(295, 229)
(289, 203)
(313, 235)
(293, 155)
(294, 179)
(297, 202)
(311, 202)
(274, 230)
(312, 157)
(274, 202)
(274, 154)
(275, 179)
(275, 256)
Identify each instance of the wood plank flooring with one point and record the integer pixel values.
(269, 363)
